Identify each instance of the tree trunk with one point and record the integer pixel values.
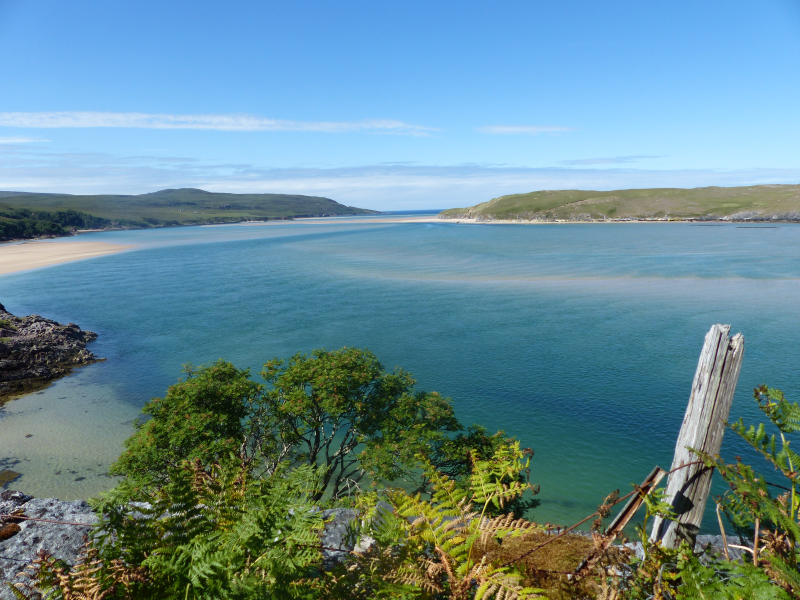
(703, 428)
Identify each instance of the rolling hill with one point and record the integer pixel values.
(750, 203)
(26, 215)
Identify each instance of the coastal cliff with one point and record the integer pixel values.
(34, 351)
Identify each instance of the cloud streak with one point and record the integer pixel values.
(20, 140)
(54, 120)
(522, 129)
(614, 160)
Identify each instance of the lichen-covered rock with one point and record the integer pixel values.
(64, 542)
(35, 350)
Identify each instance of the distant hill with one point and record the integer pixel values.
(3, 194)
(25, 215)
(750, 203)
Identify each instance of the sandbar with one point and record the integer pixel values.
(32, 255)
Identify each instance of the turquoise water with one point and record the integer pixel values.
(581, 340)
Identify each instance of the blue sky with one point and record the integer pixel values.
(397, 105)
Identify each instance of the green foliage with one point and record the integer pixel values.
(218, 532)
(341, 410)
(429, 548)
(453, 456)
(207, 533)
(656, 505)
(680, 575)
(221, 485)
(199, 418)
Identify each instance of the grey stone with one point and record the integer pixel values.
(339, 537)
(11, 501)
(64, 542)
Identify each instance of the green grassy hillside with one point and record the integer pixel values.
(24, 215)
(757, 202)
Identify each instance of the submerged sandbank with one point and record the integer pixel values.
(32, 255)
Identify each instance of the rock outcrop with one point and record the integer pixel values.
(35, 351)
(26, 538)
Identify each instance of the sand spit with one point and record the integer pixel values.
(31, 255)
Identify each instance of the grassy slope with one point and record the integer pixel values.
(185, 206)
(758, 201)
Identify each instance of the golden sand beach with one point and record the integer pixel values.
(31, 255)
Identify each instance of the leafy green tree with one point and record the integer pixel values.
(342, 411)
(200, 418)
(338, 410)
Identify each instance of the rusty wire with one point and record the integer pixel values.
(46, 520)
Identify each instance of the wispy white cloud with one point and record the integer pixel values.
(20, 140)
(614, 160)
(522, 129)
(47, 120)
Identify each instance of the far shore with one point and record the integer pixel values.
(470, 221)
(22, 256)
(33, 254)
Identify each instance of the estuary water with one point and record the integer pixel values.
(581, 340)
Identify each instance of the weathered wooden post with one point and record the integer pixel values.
(702, 429)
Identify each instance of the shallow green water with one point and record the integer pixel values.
(581, 340)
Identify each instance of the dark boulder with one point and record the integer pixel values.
(34, 351)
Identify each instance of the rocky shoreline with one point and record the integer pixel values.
(34, 351)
